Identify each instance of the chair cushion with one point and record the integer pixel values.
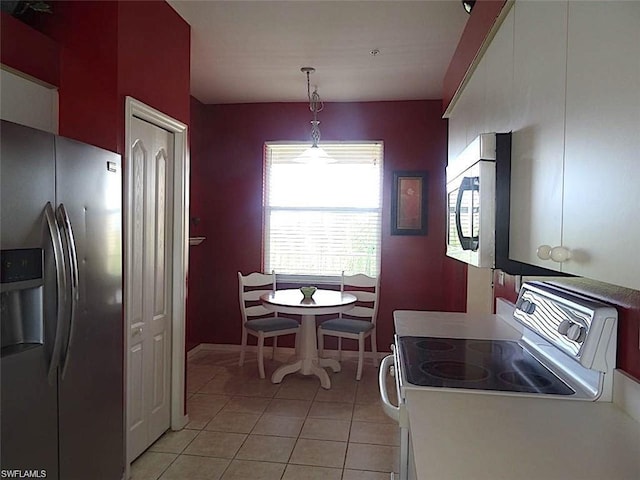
(271, 324)
(347, 325)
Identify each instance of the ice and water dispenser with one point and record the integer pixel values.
(21, 300)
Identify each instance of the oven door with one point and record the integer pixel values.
(471, 215)
(389, 366)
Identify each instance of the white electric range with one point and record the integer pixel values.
(484, 387)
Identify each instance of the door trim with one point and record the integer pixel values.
(135, 108)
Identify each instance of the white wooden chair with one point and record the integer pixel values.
(357, 323)
(256, 319)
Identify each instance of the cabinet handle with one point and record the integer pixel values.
(557, 254)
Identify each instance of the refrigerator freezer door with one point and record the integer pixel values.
(27, 168)
(89, 185)
(29, 414)
(29, 399)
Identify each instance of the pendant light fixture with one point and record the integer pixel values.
(314, 153)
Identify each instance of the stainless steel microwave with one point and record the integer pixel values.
(471, 203)
(478, 202)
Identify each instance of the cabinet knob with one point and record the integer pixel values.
(544, 252)
(557, 254)
(560, 254)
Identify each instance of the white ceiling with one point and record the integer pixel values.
(252, 51)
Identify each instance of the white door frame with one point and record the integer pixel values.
(180, 258)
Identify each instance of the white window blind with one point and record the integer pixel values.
(322, 218)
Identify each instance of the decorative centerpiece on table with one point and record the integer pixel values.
(308, 291)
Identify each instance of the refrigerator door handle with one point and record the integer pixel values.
(61, 287)
(73, 291)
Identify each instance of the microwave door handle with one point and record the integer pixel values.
(61, 289)
(467, 184)
(474, 241)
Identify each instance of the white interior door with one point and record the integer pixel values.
(149, 319)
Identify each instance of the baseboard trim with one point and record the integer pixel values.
(181, 424)
(225, 347)
(626, 393)
(194, 351)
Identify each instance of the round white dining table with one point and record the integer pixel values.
(321, 303)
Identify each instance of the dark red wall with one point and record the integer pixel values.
(107, 50)
(29, 51)
(154, 45)
(198, 255)
(227, 195)
(480, 21)
(87, 35)
(626, 301)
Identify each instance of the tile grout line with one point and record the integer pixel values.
(273, 397)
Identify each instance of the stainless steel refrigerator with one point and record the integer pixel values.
(61, 307)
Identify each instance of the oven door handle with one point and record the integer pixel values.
(391, 410)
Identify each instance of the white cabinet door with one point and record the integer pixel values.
(602, 154)
(538, 129)
(466, 119)
(498, 64)
(485, 104)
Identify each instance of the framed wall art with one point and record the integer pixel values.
(409, 203)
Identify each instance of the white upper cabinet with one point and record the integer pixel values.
(540, 57)
(564, 77)
(466, 120)
(498, 91)
(27, 101)
(485, 103)
(601, 214)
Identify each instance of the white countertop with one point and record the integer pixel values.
(454, 325)
(490, 436)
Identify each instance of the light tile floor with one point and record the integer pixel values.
(242, 427)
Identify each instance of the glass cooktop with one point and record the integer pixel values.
(476, 364)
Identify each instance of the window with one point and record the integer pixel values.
(322, 218)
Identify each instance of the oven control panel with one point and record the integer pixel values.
(579, 326)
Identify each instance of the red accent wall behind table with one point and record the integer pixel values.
(626, 301)
(482, 18)
(227, 195)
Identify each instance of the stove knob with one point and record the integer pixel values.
(576, 333)
(563, 328)
(524, 305)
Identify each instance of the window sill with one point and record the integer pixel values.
(308, 279)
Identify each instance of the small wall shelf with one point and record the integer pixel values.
(196, 240)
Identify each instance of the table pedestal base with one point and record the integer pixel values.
(308, 362)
